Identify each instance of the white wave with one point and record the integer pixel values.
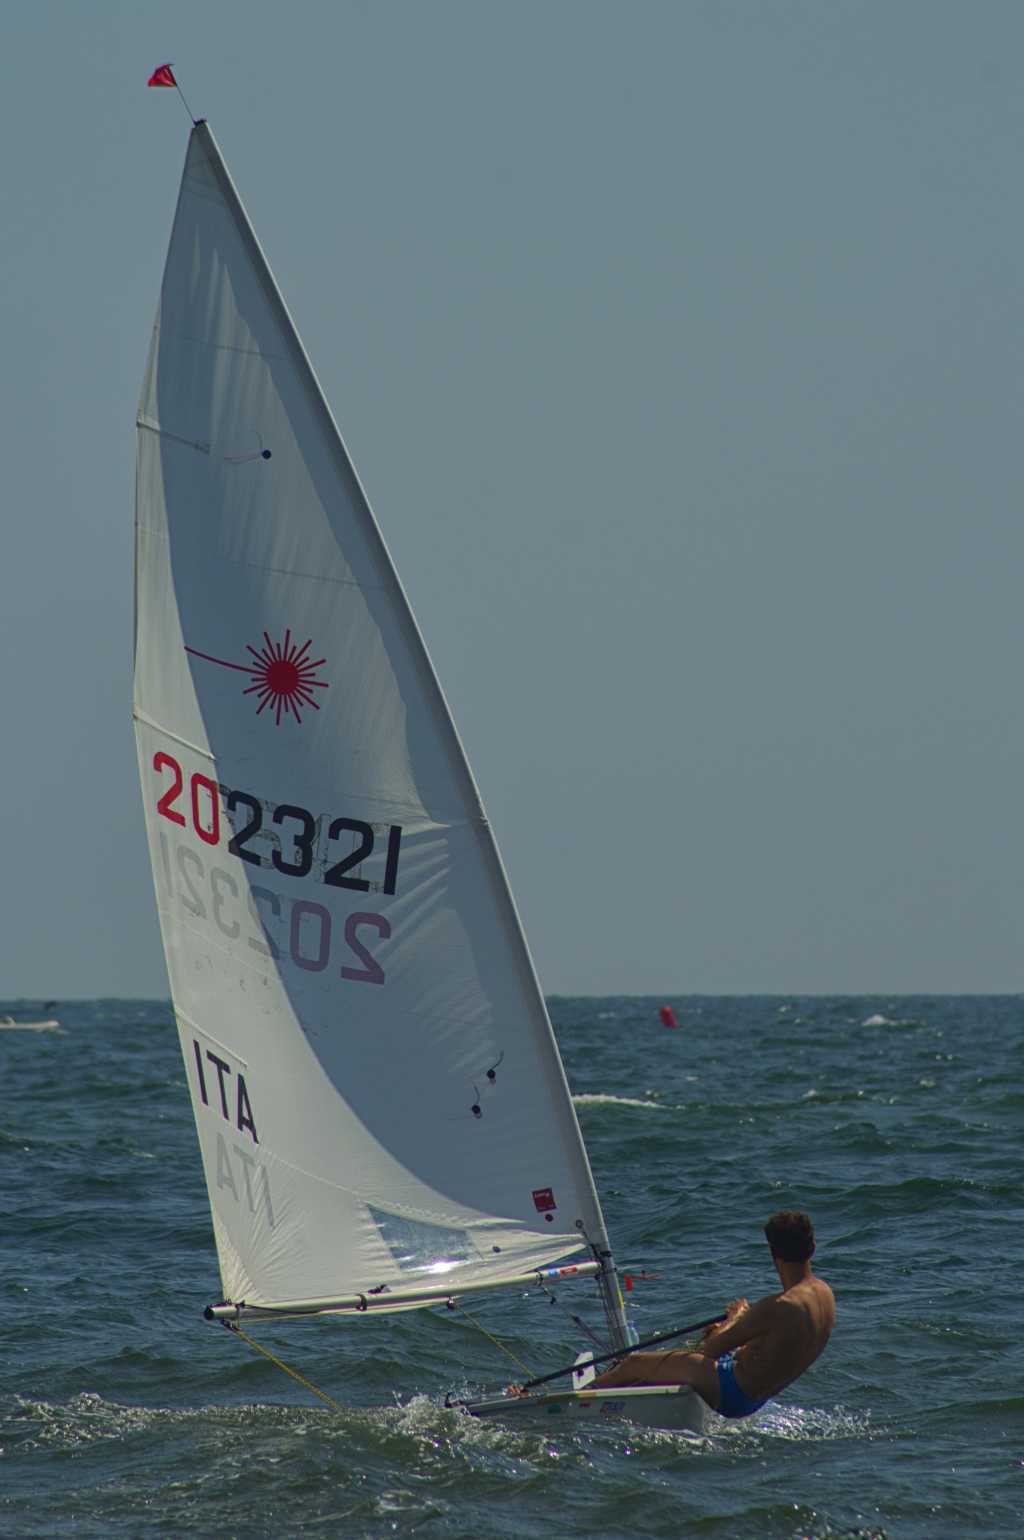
(588, 1099)
(813, 1424)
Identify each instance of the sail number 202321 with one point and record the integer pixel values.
(286, 824)
(297, 931)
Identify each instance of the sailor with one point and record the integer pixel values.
(760, 1348)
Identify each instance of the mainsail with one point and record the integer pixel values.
(382, 1112)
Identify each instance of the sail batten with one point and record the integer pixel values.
(142, 720)
(331, 897)
(154, 427)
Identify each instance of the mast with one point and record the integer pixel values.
(620, 1334)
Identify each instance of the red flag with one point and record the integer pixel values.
(164, 76)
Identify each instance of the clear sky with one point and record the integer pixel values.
(678, 347)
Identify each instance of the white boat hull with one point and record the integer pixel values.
(675, 1407)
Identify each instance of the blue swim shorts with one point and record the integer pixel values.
(732, 1401)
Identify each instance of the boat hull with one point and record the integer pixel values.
(675, 1407)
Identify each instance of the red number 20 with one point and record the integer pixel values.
(173, 792)
(165, 806)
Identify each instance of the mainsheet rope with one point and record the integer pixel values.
(453, 1304)
(233, 1326)
(280, 1364)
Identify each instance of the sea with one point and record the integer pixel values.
(898, 1123)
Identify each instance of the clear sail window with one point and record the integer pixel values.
(423, 1248)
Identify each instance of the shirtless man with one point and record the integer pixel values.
(761, 1348)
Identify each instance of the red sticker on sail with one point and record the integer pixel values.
(544, 1200)
(283, 676)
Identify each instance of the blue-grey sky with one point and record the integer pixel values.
(678, 347)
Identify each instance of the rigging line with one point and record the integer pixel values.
(453, 1304)
(231, 1326)
(577, 1320)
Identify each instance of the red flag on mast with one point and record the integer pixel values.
(164, 76)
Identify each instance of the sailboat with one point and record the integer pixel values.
(382, 1112)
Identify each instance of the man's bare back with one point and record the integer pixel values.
(760, 1348)
(775, 1340)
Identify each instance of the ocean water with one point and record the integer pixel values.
(897, 1122)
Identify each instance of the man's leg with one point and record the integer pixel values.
(672, 1368)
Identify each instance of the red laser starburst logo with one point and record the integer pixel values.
(283, 677)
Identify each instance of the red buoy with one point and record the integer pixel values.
(668, 1016)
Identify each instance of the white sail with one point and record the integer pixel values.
(381, 1107)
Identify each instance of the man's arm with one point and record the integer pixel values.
(742, 1326)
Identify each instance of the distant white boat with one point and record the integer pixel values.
(382, 1111)
(8, 1024)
